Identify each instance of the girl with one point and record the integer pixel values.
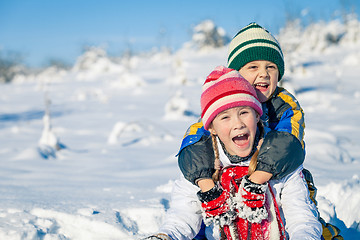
(280, 209)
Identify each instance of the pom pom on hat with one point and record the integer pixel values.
(225, 88)
(252, 43)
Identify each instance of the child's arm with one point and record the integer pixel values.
(183, 218)
(260, 177)
(280, 154)
(300, 212)
(282, 151)
(205, 184)
(196, 161)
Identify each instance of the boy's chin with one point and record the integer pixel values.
(262, 98)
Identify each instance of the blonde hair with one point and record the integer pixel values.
(216, 174)
(253, 161)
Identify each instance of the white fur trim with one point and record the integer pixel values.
(254, 215)
(223, 219)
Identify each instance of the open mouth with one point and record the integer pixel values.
(241, 140)
(262, 87)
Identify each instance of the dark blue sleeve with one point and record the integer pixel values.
(196, 161)
(280, 154)
(193, 134)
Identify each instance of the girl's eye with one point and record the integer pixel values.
(222, 116)
(243, 112)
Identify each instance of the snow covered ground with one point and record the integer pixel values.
(89, 153)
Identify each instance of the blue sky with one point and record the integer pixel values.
(59, 29)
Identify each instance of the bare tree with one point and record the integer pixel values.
(10, 65)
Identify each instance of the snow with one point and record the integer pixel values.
(110, 129)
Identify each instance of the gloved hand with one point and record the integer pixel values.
(280, 154)
(159, 236)
(217, 206)
(252, 200)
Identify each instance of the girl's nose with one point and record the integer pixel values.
(238, 123)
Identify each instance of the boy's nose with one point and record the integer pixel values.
(263, 73)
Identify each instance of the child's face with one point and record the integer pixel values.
(236, 128)
(263, 75)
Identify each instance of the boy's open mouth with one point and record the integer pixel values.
(241, 139)
(262, 87)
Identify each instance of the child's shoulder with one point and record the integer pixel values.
(282, 92)
(193, 135)
(282, 96)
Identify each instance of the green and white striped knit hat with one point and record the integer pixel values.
(252, 43)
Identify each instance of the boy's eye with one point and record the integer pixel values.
(272, 66)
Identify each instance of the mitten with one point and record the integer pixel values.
(251, 197)
(159, 236)
(217, 206)
(196, 160)
(280, 154)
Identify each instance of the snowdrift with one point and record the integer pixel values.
(89, 152)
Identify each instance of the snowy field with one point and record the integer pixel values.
(118, 124)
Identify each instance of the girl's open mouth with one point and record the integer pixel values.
(241, 140)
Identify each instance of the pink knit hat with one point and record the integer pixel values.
(225, 88)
